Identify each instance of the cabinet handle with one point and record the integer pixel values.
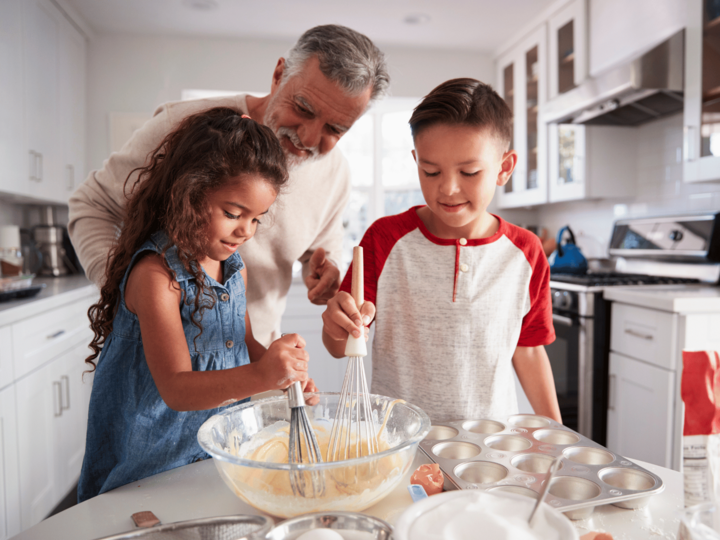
(58, 411)
(640, 335)
(66, 380)
(40, 167)
(33, 166)
(611, 391)
(71, 177)
(56, 334)
(688, 146)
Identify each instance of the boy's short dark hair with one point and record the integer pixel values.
(466, 102)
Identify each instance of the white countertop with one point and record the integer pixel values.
(673, 298)
(57, 291)
(196, 491)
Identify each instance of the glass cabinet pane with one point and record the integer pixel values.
(567, 153)
(710, 116)
(566, 57)
(508, 95)
(531, 76)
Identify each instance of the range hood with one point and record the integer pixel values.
(639, 91)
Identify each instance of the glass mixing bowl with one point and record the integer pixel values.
(248, 442)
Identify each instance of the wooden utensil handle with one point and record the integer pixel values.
(358, 291)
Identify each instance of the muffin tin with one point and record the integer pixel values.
(514, 455)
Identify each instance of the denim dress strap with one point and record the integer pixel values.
(132, 433)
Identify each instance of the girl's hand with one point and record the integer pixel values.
(285, 362)
(310, 387)
(342, 317)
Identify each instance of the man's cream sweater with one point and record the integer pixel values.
(306, 216)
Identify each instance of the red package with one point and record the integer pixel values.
(700, 391)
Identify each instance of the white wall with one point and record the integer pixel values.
(660, 190)
(134, 74)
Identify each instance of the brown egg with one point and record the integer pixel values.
(430, 477)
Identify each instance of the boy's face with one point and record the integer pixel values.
(459, 169)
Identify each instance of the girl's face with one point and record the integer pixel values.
(235, 212)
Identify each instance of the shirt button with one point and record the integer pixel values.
(463, 267)
(463, 241)
(229, 344)
(224, 297)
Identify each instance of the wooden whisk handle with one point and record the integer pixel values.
(358, 277)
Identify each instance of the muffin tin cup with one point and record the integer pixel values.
(514, 454)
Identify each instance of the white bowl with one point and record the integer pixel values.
(470, 514)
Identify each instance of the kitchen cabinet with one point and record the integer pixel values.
(640, 392)
(590, 162)
(43, 409)
(522, 83)
(619, 30)
(9, 478)
(568, 44)
(645, 410)
(701, 155)
(42, 105)
(13, 154)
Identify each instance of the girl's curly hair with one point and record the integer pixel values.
(170, 195)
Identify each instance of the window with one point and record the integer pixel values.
(383, 172)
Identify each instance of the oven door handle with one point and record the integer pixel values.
(563, 320)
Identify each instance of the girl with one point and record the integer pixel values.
(172, 334)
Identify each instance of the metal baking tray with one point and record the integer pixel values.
(514, 454)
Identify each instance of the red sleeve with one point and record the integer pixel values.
(377, 243)
(537, 326)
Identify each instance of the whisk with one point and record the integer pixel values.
(353, 431)
(302, 436)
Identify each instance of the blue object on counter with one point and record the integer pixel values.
(417, 492)
(567, 258)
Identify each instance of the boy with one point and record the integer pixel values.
(462, 296)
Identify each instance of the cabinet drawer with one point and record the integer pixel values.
(43, 337)
(645, 334)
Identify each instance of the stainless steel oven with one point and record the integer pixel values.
(647, 251)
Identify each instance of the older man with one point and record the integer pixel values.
(323, 86)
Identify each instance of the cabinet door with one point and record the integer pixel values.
(38, 405)
(702, 92)
(523, 85)
(42, 30)
(567, 57)
(71, 85)
(640, 410)
(71, 426)
(566, 162)
(9, 479)
(13, 153)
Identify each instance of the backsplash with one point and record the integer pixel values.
(660, 190)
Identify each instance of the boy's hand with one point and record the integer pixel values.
(285, 362)
(342, 317)
(310, 387)
(323, 281)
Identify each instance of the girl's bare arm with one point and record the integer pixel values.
(154, 297)
(532, 366)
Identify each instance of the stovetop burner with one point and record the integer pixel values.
(615, 278)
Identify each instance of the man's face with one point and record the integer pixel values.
(309, 113)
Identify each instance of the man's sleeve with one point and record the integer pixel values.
(331, 235)
(97, 207)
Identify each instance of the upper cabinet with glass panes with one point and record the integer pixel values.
(522, 83)
(567, 56)
(701, 151)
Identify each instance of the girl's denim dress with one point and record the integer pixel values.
(131, 433)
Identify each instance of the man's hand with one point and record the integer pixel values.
(323, 281)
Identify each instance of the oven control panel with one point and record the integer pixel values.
(563, 300)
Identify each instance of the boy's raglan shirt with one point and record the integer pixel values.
(450, 314)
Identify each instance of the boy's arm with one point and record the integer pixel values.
(532, 366)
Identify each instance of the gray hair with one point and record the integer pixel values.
(346, 57)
